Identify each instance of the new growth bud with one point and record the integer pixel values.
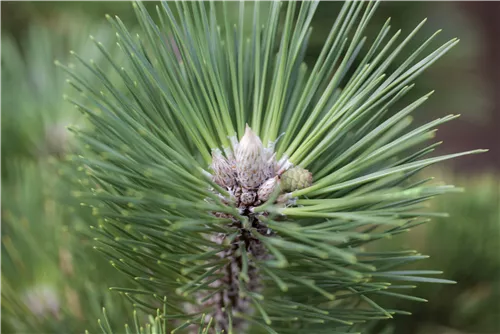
(251, 163)
(223, 172)
(248, 197)
(267, 188)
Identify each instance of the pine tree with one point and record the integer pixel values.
(239, 188)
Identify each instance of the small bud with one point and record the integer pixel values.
(296, 178)
(223, 173)
(251, 163)
(248, 197)
(267, 188)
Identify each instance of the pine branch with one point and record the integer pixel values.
(236, 182)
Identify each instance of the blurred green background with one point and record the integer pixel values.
(54, 282)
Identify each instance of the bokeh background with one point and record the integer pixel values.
(54, 282)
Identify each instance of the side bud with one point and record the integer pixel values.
(248, 197)
(251, 163)
(296, 178)
(267, 188)
(223, 172)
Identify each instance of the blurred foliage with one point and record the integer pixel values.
(34, 113)
(465, 247)
(52, 279)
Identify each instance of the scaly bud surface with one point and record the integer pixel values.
(248, 197)
(267, 188)
(296, 178)
(251, 163)
(224, 174)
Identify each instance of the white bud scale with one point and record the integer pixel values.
(251, 164)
